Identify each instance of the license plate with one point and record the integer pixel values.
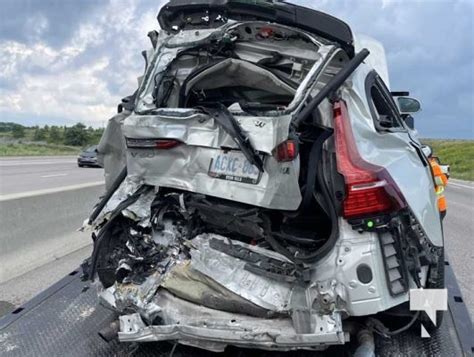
(233, 166)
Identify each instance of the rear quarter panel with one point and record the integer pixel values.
(393, 152)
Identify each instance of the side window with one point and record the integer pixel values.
(382, 107)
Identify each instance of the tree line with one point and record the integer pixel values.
(76, 135)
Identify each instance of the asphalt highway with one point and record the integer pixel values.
(459, 236)
(20, 176)
(27, 175)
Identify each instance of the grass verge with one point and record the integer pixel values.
(459, 154)
(32, 149)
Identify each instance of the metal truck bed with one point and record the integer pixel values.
(64, 320)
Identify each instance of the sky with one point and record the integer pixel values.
(65, 61)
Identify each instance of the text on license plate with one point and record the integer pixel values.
(233, 166)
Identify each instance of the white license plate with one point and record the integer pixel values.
(233, 166)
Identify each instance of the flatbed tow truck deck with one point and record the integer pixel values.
(64, 320)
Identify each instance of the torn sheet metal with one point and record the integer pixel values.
(186, 167)
(191, 285)
(212, 329)
(138, 297)
(140, 211)
(327, 296)
(230, 272)
(130, 185)
(167, 48)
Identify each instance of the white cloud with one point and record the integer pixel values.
(73, 81)
(76, 93)
(428, 44)
(36, 25)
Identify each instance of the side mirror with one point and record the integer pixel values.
(427, 150)
(408, 105)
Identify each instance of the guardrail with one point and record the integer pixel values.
(41, 226)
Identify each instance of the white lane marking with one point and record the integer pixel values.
(54, 175)
(14, 196)
(459, 185)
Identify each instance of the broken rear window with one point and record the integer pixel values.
(250, 66)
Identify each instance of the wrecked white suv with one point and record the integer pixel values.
(264, 190)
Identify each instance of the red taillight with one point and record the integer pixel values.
(286, 151)
(369, 188)
(162, 144)
(166, 144)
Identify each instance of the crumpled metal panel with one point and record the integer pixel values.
(211, 329)
(111, 150)
(192, 285)
(234, 72)
(186, 168)
(230, 273)
(64, 321)
(163, 58)
(141, 209)
(137, 297)
(138, 211)
(169, 45)
(126, 188)
(197, 129)
(166, 49)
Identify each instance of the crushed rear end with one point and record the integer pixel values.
(224, 227)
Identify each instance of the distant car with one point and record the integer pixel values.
(88, 157)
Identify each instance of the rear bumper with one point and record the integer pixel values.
(71, 306)
(202, 327)
(313, 321)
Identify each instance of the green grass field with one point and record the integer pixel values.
(32, 149)
(459, 154)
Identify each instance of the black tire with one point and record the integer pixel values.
(435, 281)
(80, 165)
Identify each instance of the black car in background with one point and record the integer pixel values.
(88, 157)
